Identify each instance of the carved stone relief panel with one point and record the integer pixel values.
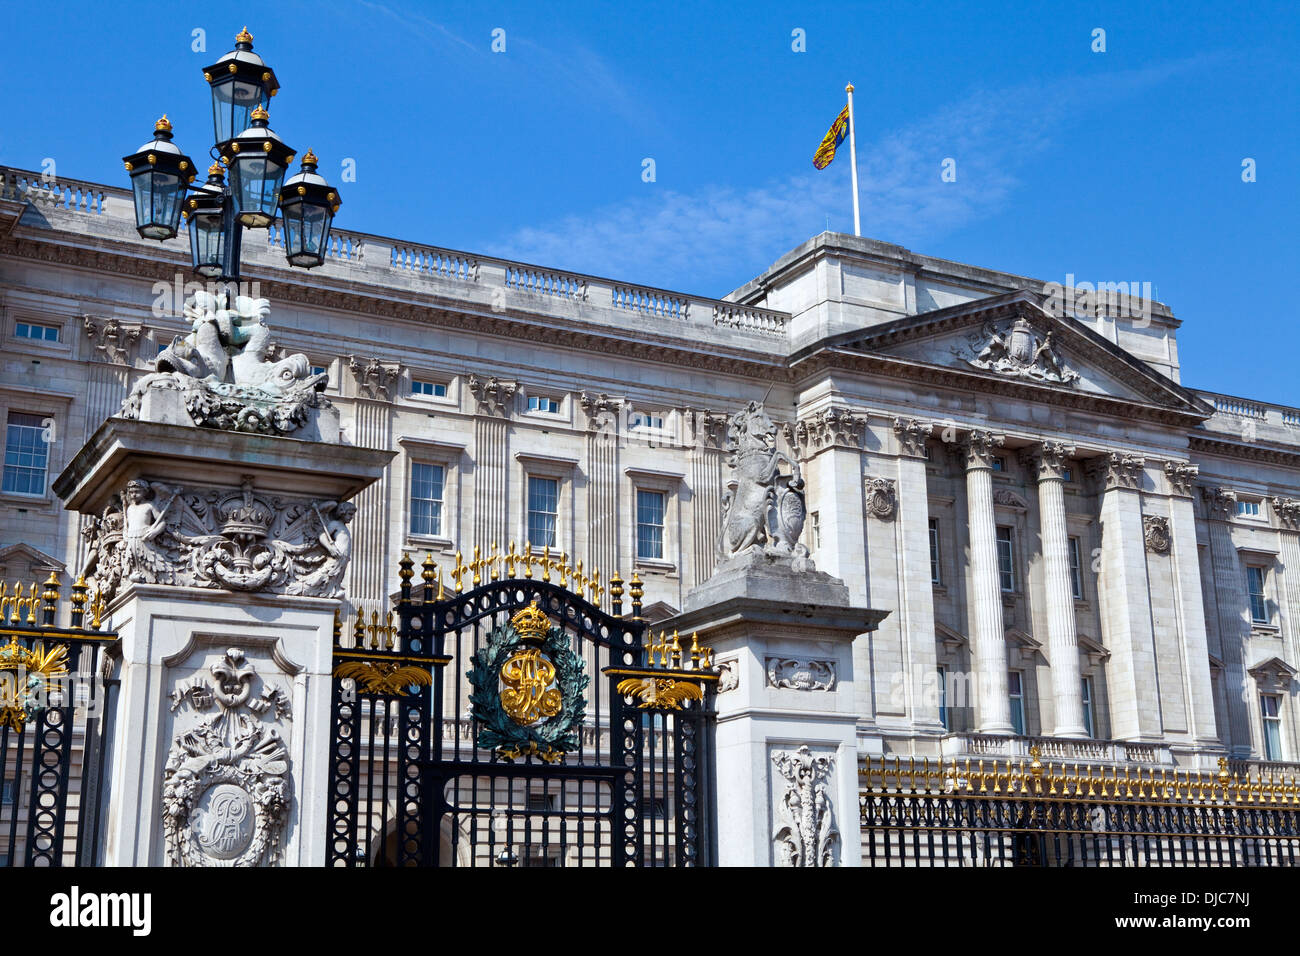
(1155, 529)
(800, 674)
(804, 828)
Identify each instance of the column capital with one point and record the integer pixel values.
(1182, 477)
(830, 428)
(492, 396)
(1220, 503)
(1288, 512)
(1117, 470)
(375, 379)
(912, 434)
(1048, 459)
(978, 447)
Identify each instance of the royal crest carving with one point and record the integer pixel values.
(241, 540)
(1017, 349)
(806, 834)
(374, 378)
(491, 395)
(225, 376)
(1007, 498)
(226, 785)
(882, 498)
(763, 509)
(112, 338)
(790, 673)
(1155, 529)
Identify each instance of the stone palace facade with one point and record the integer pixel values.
(1074, 549)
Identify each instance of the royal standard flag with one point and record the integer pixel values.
(834, 136)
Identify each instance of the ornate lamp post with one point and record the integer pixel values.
(242, 86)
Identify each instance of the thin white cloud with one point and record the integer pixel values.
(675, 239)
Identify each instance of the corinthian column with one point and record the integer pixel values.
(988, 640)
(1063, 642)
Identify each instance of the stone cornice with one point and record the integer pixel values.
(1248, 451)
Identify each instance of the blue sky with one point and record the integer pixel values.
(1117, 166)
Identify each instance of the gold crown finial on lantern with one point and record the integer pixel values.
(164, 125)
(216, 170)
(244, 36)
(531, 624)
(260, 114)
(309, 157)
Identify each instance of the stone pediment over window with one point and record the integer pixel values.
(1011, 344)
(1272, 675)
(22, 562)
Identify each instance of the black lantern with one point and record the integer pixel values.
(307, 207)
(214, 234)
(258, 160)
(159, 174)
(241, 82)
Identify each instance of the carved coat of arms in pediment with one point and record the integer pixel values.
(1017, 349)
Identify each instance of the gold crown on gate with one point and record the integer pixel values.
(531, 624)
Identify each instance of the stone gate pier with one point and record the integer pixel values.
(217, 509)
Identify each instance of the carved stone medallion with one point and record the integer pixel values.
(226, 786)
(1155, 529)
(795, 674)
(882, 498)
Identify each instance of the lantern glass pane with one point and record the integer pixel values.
(205, 244)
(233, 102)
(256, 181)
(158, 197)
(306, 226)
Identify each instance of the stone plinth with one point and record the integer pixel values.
(221, 556)
(787, 723)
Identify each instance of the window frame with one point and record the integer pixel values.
(669, 485)
(1088, 699)
(32, 324)
(1074, 556)
(638, 524)
(558, 401)
(554, 545)
(944, 714)
(1272, 745)
(936, 553)
(1017, 701)
(412, 468)
(1010, 571)
(415, 381)
(42, 419)
(446, 456)
(1266, 619)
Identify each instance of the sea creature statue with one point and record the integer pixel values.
(763, 508)
(225, 373)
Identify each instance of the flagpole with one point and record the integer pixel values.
(853, 160)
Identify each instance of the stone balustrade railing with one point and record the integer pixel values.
(501, 282)
(960, 746)
(1263, 412)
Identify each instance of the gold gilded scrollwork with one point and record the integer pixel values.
(527, 695)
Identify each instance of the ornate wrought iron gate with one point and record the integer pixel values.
(52, 725)
(515, 722)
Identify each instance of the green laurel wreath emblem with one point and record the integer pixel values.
(549, 738)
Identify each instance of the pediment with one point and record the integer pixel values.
(1010, 342)
(24, 563)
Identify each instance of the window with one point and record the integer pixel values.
(650, 525)
(1076, 570)
(1268, 708)
(8, 796)
(646, 420)
(541, 403)
(1255, 587)
(935, 577)
(26, 455)
(539, 802)
(543, 506)
(318, 370)
(1248, 509)
(542, 857)
(999, 463)
(161, 346)
(1015, 685)
(1067, 474)
(429, 389)
(943, 698)
(1087, 707)
(426, 498)
(1006, 559)
(38, 333)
